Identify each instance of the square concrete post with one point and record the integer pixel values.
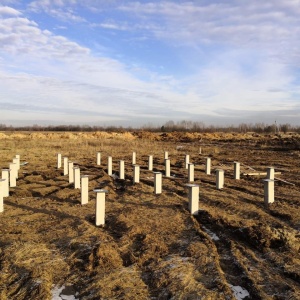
(16, 162)
(58, 160)
(269, 191)
(207, 165)
(109, 165)
(70, 171)
(12, 175)
(84, 189)
(193, 197)
(220, 179)
(166, 155)
(236, 170)
(167, 168)
(133, 158)
(270, 173)
(2, 183)
(150, 163)
(191, 172)
(157, 183)
(187, 160)
(5, 185)
(66, 166)
(122, 169)
(18, 157)
(76, 177)
(98, 158)
(100, 207)
(136, 174)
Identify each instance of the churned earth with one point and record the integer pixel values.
(151, 247)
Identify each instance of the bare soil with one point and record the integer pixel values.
(151, 247)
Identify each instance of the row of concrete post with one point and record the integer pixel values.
(82, 183)
(9, 179)
(150, 165)
(188, 165)
(193, 194)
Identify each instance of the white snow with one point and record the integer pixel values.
(57, 294)
(213, 236)
(239, 292)
(179, 147)
(115, 176)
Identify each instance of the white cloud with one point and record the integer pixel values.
(21, 36)
(110, 25)
(271, 26)
(8, 11)
(60, 9)
(247, 69)
(52, 73)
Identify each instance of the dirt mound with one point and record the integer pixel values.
(105, 258)
(147, 135)
(98, 134)
(290, 141)
(19, 136)
(265, 237)
(125, 136)
(37, 135)
(3, 136)
(89, 135)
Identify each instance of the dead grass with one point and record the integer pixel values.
(30, 269)
(150, 246)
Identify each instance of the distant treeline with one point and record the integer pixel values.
(170, 126)
(241, 128)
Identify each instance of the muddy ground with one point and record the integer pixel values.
(150, 247)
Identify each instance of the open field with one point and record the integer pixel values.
(150, 247)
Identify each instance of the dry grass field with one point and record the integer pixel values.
(150, 247)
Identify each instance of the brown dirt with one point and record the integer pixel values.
(150, 247)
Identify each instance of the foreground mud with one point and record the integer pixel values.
(150, 247)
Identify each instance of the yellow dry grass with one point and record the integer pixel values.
(150, 246)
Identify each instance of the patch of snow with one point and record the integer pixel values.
(239, 292)
(56, 292)
(68, 297)
(38, 281)
(213, 236)
(58, 295)
(115, 176)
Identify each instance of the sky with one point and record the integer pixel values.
(135, 63)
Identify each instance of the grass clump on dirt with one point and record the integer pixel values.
(31, 269)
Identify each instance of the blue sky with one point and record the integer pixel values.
(123, 63)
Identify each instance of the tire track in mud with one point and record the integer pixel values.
(233, 272)
(268, 277)
(255, 270)
(139, 245)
